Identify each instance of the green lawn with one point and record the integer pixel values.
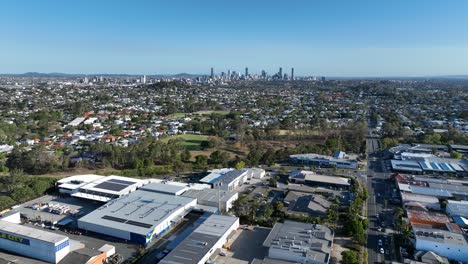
(177, 115)
(209, 112)
(191, 142)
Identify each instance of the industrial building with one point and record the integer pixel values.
(422, 217)
(212, 197)
(419, 163)
(338, 160)
(138, 217)
(98, 188)
(426, 201)
(165, 187)
(203, 242)
(226, 179)
(312, 179)
(300, 242)
(256, 173)
(407, 166)
(33, 243)
(457, 208)
(451, 245)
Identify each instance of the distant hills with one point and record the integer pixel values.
(71, 75)
(189, 75)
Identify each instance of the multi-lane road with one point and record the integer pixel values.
(379, 243)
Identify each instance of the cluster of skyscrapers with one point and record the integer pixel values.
(233, 75)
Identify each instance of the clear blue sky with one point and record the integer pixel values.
(317, 37)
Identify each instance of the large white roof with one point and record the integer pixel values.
(30, 232)
(139, 212)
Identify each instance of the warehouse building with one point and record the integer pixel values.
(457, 208)
(106, 188)
(138, 217)
(72, 184)
(300, 242)
(226, 179)
(338, 160)
(426, 201)
(407, 166)
(312, 179)
(203, 242)
(451, 245)
(166, 187)
(33, 243)
(212, 197)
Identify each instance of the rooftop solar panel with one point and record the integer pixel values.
(121, 182)
(111, 186)
(138, 224)
(115, 219)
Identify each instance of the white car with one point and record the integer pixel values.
(382, 250)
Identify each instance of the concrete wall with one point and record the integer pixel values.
(220, 242)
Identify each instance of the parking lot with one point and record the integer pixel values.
(247, 246)
(96, 241)
(76, 207)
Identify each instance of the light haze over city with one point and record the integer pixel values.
(331, 38)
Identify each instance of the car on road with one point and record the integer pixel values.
(222, 254)
(382, 251)
(380, 242)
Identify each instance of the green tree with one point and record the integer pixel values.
(185, 155)
(349, 257)
(201, 162)
(5, 202)
(240, 165)
(455, 155)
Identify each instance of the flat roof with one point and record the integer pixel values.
(427, 216)
(77, 181)
(198, 244)
(224, 178)
(112, 184)
(139, 212)
(440, 236)
(30, 232)
(419, 198)
(406, 165)
(165, 187)
(311, 176)
(301, 238)
(210, 195)
(214, 174)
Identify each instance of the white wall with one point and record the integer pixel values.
(450, 251)
(37, 249)
(220, 242)
(13, 218)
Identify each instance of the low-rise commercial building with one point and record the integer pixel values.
(33, 243)
(212, 197)
(453, 246)
(338, 160)
(226, 179)
(98, 188)
(429, 202)
(457, 208)
(198, 247)
(138, 217)
(300, 242)
(312, 179)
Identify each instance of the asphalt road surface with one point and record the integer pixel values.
(377, 214)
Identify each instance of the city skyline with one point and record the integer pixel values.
(336, 38)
